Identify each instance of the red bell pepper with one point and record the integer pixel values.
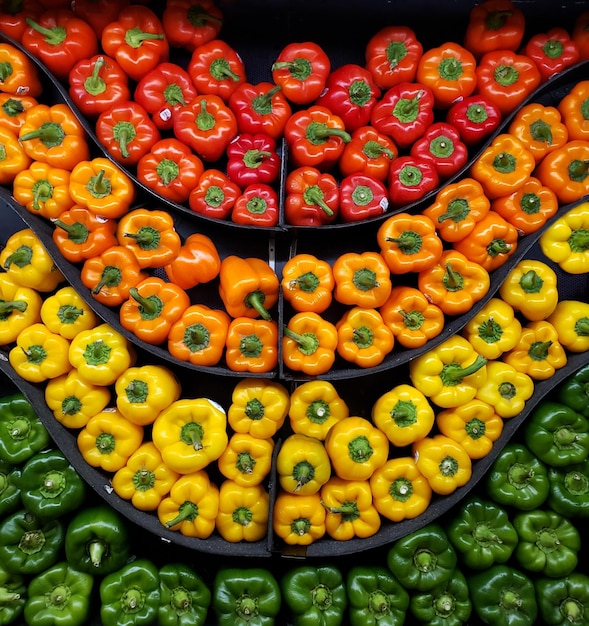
(316, 137)
(162, 91)
(59, 40)
(580, 34)
(252, 159)
(312, 197)
(171, 169)
(190, 23)
(552, 51)
(507, 78)
(98, 13)
(256, 206)
(13, 16)
(350, 93)
(214, 195)
(136, 40)
(96, 84)
(361, 197)
(260, 108)
(207, 125)
(301, 69)
(216, 68)
(475, 118)
(127, 132)
(369, 152)
(410, 179)
(404, 113)
(442, 146)
(392, 55)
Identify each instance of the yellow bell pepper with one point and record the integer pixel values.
(531, 289)
(74, 400)
(571, 320)
(450, 373)
(350, 511)
(302, 464)
(356, 448)
(39, 354)
(399, 489)
(190, 434)
(243, 512)
(506, 389)
(20, 307)
(315, 406)
(474, 425)
(566, 240)
(494, 329)
(404, 414)
(108, 440)
(66, 313)
(538, 353)
(145, 479)
(444, 463)
(143, 392)
(28, 263)
(259, 406)
(101, 354)
(246, 460)
(298, 520)
(192, 506)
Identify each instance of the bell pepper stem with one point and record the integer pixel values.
(95, 84)
(308, 342)
(7, 597)
(50, 133)
(454, 373)
(134, 37)
(97, 550)
(255, 300)
(151, 307)
(314, 196)
(7, 307)
(76, 232)
(187, 512)
(53, 36)
(539, 350)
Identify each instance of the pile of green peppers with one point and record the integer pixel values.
(508, 555)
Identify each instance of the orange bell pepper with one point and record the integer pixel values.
(248, 287)
(252, 345)
(580, 34)
(13, 158)
(246, 460)
(504, 166)
(412, 318)
(409, 243)
(153, 307)
(309, 343)
(491, 242)
(454, 283)
(361, 279)
(363, 338)
(572, 108)
(19, 75)
(197, 262)
(540, 128)
(151, 235)
(298, 520)
(53, 135)
(369, 152)
(457, 208)
(307, 283)
(13, 110)
(199, 335)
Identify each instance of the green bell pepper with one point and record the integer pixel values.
(51, 487)
(569, 489)
(96, 540)
(503, 596)
(548, 542)
(184, 596)
(376, 597)
(130, 596)
(422, 559)
(449, 604)
(22, 433)
(246, 597)
(315, 595)
(60, 596)
(557, 435)
(29, 545)
(564, 600)
(518, 478)
(13, 595)
(481, 534)
(9, 488)
(574, 391)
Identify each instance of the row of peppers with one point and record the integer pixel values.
(415, 85)
(509, 554)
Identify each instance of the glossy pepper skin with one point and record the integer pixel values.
(410, 178)
(573, 391)
(14, 158)
(246, 460)
(184, 596)
(245, 596)
(552, 51)
(298, 520)
(312, 197)
(506, 389)
(188, 24)
(214, 195)
(564, 241)
(315, 594)
(243, 512)
(572, 110)
(251, 345)
(569, 319)
(441, 144)
(302, 464)
(20, 307)
(258, 205)
(14, 588)
(361, 279)
(197, 261)
(363, 337)
(443, 461)
(563, 599)
(23, 432)
(475, 117)
(307, 283)
(253, 159)
(9, 488)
